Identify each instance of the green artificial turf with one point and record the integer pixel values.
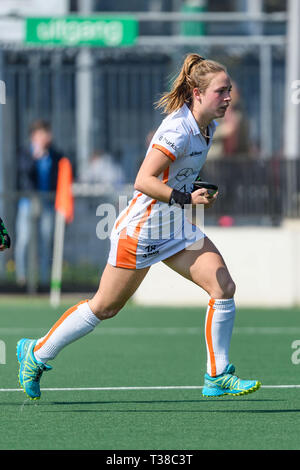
(151, 347)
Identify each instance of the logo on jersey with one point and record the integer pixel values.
(193, 154)
(184, 173)
(151, 250)
(168, 142)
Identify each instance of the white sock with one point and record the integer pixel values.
(218, 331)
(76, 322)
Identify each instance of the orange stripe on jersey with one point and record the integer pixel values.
(165, 151)
(166, 175)
(57, 324)
(209, 337)
(144, 218)
(128, 210)
(127, 246)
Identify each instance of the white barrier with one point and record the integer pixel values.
(263, 262)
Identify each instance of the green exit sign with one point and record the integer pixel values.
(100, 31)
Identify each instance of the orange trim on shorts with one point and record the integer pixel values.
(208, 335)
(57, 324)
(165, 151)
(126, 253)
(127, 245)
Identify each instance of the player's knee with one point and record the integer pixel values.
(228, 289)
(108, 311)
(224, 290)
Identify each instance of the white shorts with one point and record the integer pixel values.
(137, 253)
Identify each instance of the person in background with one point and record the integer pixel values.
(229, 152)
(37, 172)
(102, 169)
(231, 138)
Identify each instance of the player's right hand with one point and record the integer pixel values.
(201, 196)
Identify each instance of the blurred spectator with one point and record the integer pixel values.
(37, 172)
(231, 138)
(231, 141)
(102, 169)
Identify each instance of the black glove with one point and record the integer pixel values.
(4, 237)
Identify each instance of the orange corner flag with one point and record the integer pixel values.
(64, 201)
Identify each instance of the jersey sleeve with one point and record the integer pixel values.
(172, 142)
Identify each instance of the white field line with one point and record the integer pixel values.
(151, 331)
(101, 389)
(127, 331)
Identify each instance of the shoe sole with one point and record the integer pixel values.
(237, 394)
(19, 345)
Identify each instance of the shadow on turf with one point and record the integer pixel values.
(171, 411)
(40, 404)
(150, 402)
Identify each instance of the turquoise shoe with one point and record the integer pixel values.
(31, 370)
(228, 384)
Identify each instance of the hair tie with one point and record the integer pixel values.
(190, 66)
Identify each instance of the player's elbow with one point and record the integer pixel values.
(139, 184)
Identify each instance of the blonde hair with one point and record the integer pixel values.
(193, 74)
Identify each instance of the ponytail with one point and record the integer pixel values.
(192, 74)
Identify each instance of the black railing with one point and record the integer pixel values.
(255, 190)
(251, 192)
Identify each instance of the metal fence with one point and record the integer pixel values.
(123, 87)
(116, 110)
(255, 192)
(252, 192)
(44, 85)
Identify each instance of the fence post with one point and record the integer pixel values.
(33, 270)
(266, 137)
(2, 159)
(84, 97)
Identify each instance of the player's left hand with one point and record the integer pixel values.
(4, 237)
(211, 199)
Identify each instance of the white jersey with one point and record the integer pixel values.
(148, 230)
